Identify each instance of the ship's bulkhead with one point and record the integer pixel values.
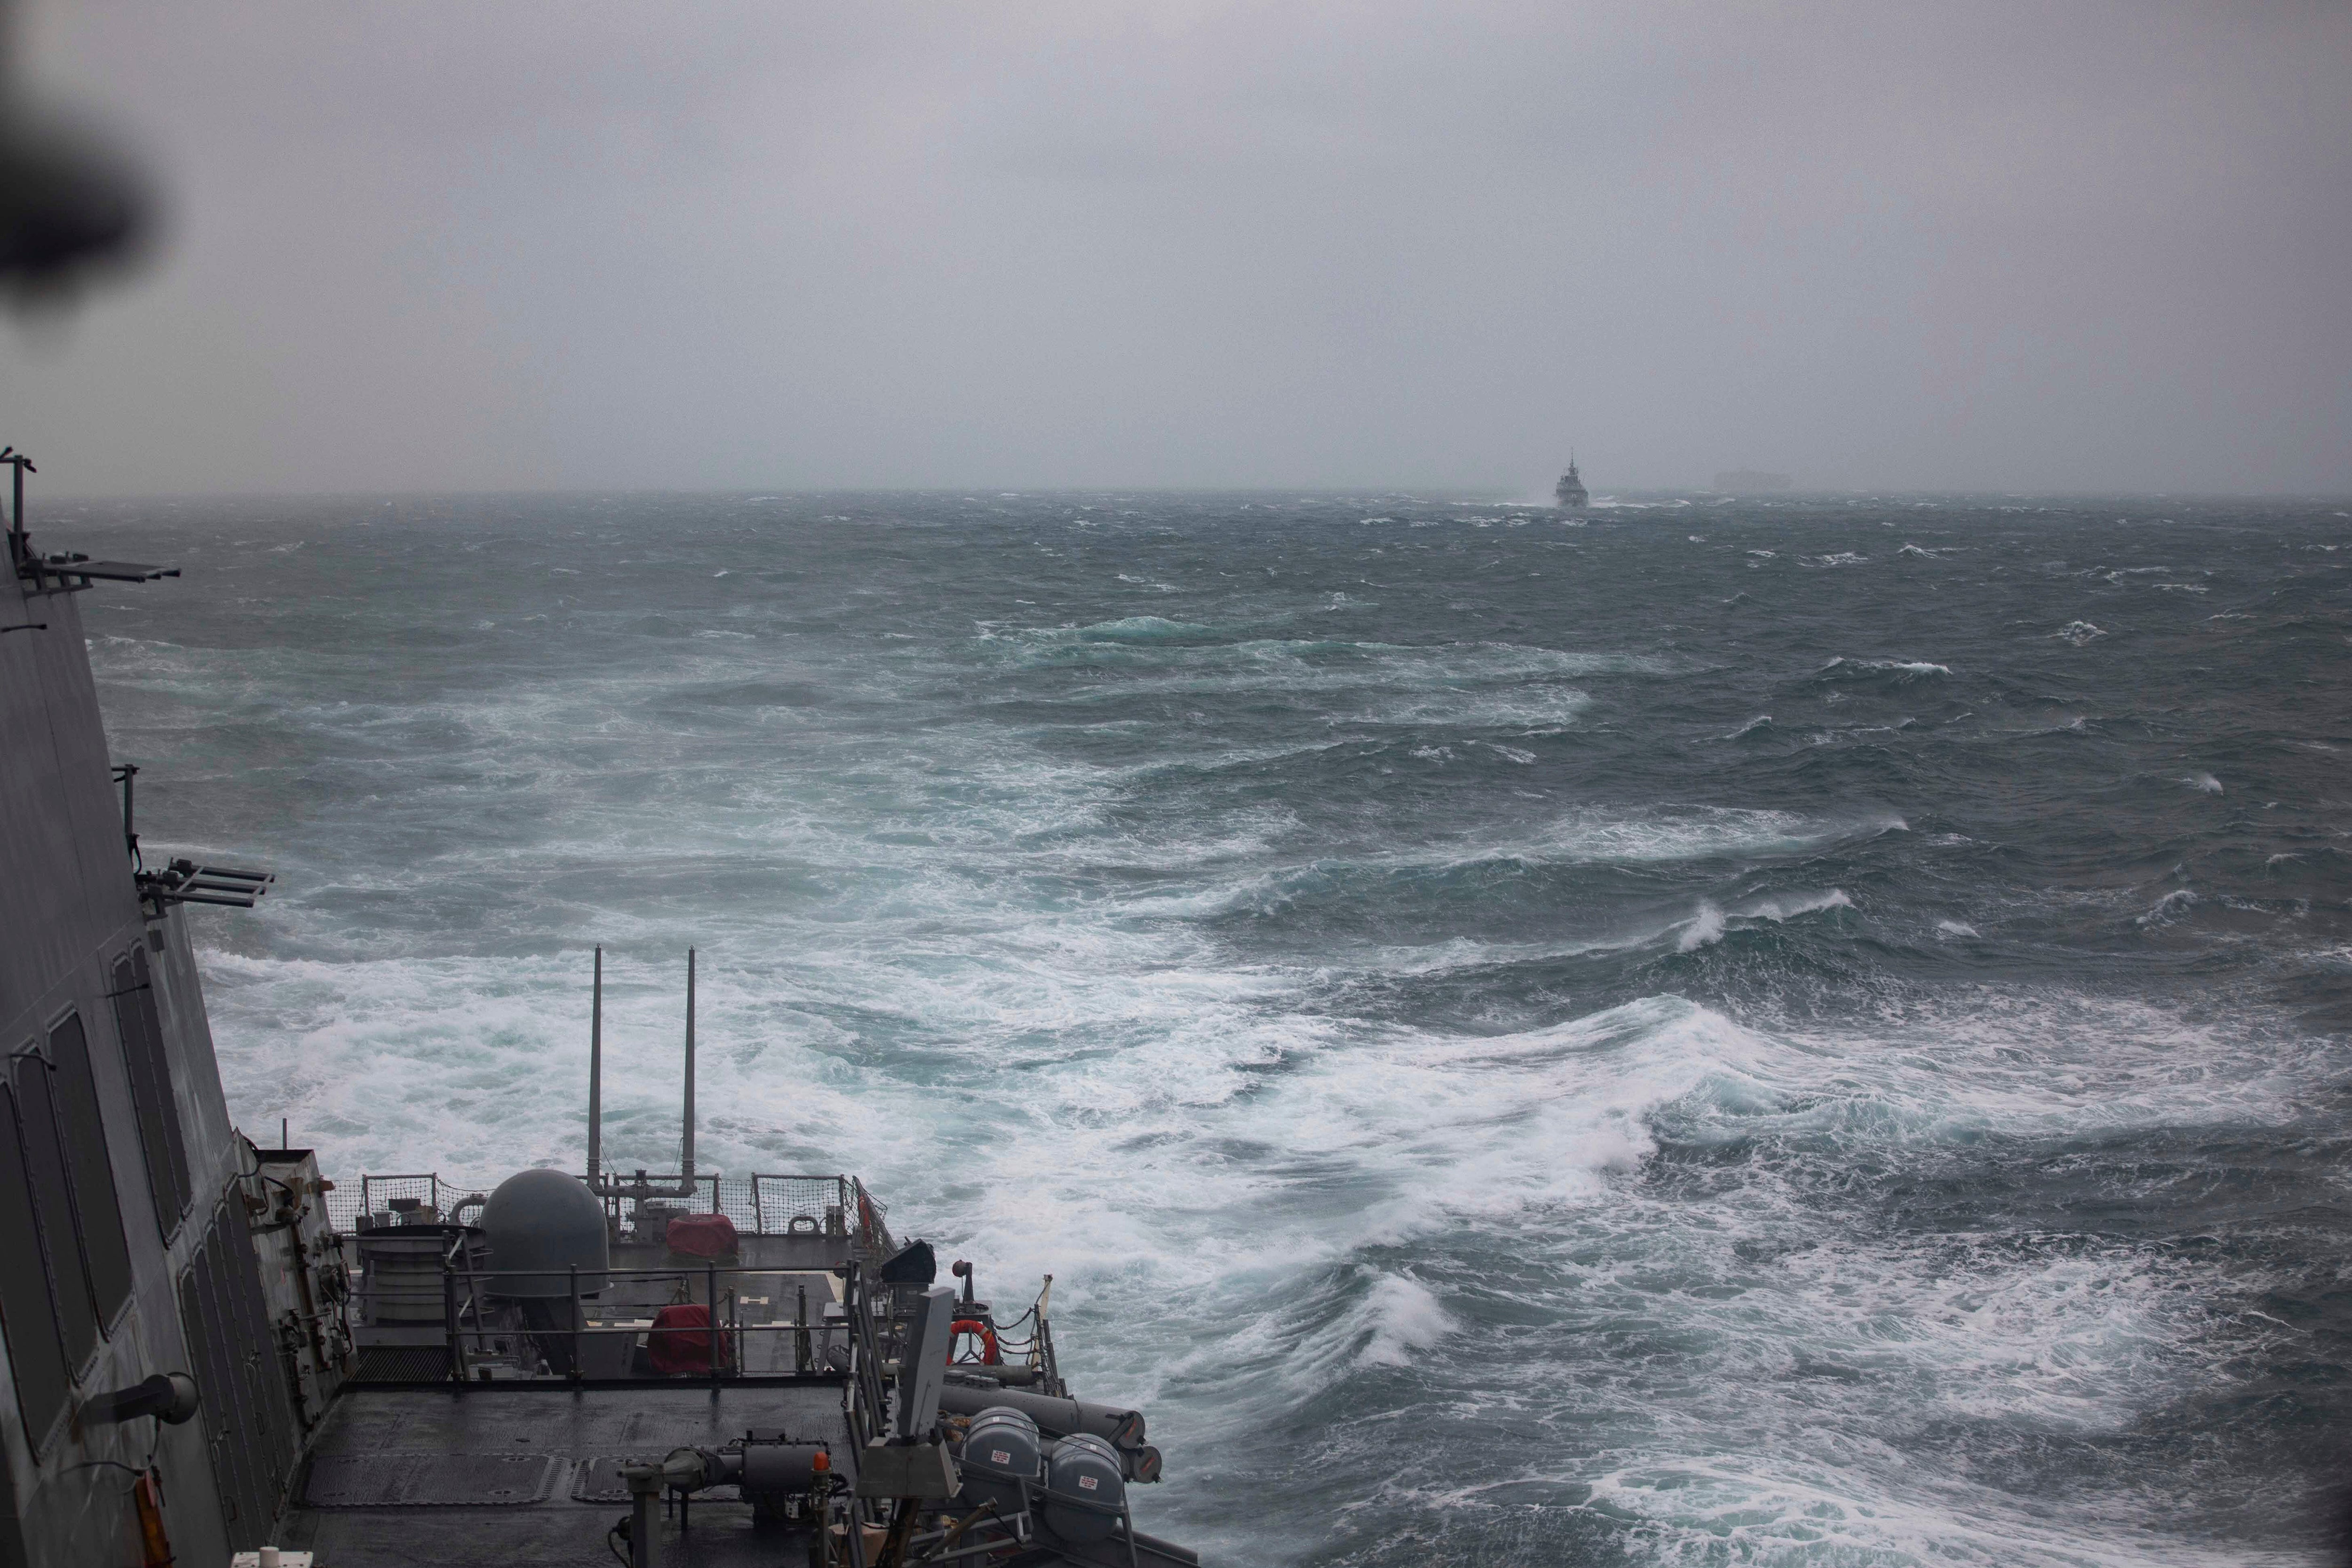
(127, 1218)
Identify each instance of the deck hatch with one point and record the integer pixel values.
(403, 1363)
(429, 1480)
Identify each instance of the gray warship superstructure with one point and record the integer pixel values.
(216, 1355)
(1571, 492)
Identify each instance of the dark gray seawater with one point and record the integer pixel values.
(1722, 1033)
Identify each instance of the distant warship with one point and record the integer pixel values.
(1570, 491)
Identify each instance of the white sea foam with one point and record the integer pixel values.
(1129, 629)
(1399, 1320)
(1586, 836)
(1709, 925)
(1664, 835)
(1705, 929)
(1904, 670)
(1795, 904)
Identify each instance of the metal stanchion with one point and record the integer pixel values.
(449, 1326)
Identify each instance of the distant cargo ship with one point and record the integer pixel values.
(1571, 490)
(1748, 481)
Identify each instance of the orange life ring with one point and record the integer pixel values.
(989, 1355)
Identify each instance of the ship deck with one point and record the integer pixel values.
(523, 1472)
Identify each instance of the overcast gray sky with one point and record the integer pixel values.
(487, 244)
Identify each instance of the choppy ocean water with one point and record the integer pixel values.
(1807, 1033)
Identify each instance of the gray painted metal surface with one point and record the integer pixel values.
(547, 1237)
(69, 919)
(580, 1438)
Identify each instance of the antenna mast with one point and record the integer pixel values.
(596, 1081)
(686, 1160)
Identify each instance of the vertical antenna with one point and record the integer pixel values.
(596, 1081)
(126, 772)
(688, 1161)
(16, 542)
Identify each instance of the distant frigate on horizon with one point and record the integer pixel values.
(1571, 490)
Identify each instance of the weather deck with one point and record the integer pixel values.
(510, 1473)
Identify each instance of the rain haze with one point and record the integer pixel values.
(440, 247)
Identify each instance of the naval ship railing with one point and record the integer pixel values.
(760, 1203)
(606, 1328)
(612, 1334)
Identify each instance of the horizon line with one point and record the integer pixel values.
(1002, 492)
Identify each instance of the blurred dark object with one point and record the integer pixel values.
(71, 206)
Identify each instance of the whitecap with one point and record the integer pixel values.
(1901, 669)
(1790, 908)
(1703, 929)
(1141, 629)
(1400, 1316)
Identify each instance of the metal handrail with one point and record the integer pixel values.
(463, 1288)
(464, 1333)
(868, 1406)
(834, 1203)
